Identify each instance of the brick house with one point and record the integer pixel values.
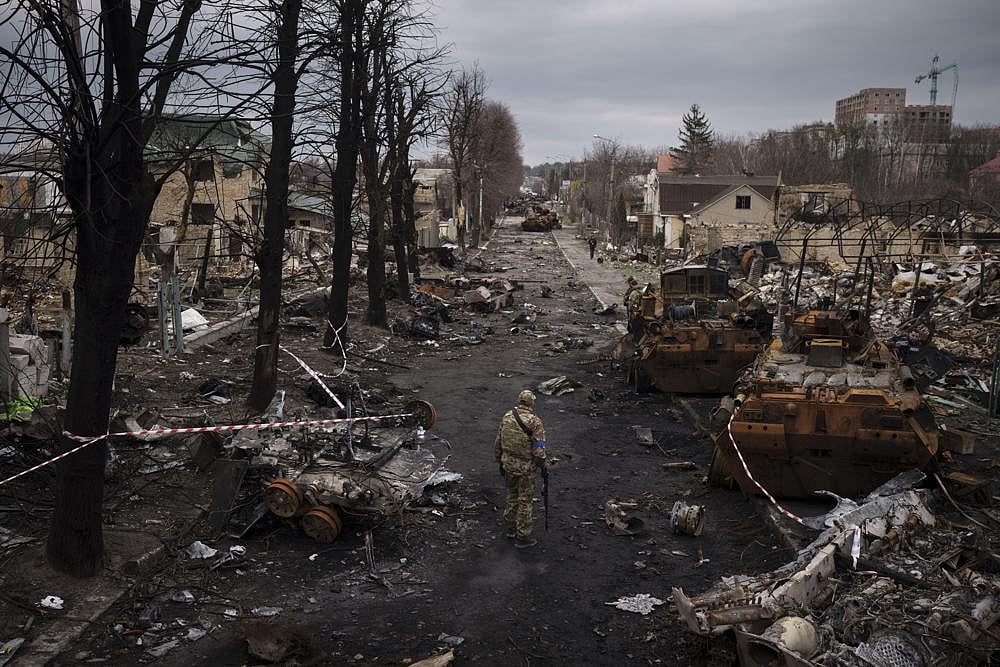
(703, 213)
(984, 180)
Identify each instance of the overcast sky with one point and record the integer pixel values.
(629, 68)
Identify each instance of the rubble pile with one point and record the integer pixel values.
(886, 582)
(447, 301)
(953, 306)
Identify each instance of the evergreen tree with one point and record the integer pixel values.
(697, 141)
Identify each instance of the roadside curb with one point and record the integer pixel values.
(107, 590)
(618, 325)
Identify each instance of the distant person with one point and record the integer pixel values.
(592, 242)
(520, 451)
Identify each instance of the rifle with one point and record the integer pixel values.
(545, 492)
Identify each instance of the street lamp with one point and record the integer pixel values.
(611, 179)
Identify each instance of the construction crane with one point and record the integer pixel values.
(933, 76)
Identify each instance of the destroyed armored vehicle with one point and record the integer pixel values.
(699, 340)
(827, 407)
(541, 219)
(368, 469)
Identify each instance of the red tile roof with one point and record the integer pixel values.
(991, 167)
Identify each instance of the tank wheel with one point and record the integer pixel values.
(323, 524)
(283, 498)
(718, 471)
(423, 413)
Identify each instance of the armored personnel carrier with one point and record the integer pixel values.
(693, 337)
(826, 407)
(541, 219)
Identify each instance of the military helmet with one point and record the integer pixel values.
(526, 398)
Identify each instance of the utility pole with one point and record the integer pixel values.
(482, 228)
(611, 182)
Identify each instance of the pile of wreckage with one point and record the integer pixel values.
(880, 389)
(438, 303)
(887, 582)
(541, 219)
(364, 466)
(946, 314)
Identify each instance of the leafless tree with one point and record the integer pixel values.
(496, 160)
(413, 120)
(82, 92)
(462, 102)
(284, 82)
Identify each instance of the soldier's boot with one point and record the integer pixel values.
(524, 542)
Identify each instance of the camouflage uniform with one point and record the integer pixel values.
(520, 457)
(633, 310)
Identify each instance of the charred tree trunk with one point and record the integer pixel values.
(399, 231)
(477, 226)
(376, 259)
(111, 193)
(351, 66)
(111, 206)
(410, 223)
(203, 274)
(269, 256)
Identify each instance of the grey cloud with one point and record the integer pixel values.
(630, 68)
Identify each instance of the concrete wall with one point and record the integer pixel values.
(823, 246)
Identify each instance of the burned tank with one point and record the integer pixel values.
(693, 337)
(826, 407)
(541, 219)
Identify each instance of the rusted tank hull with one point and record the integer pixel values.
(537, 225)
(686, 371)
(796, 447)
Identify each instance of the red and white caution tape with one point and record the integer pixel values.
(746, 469)
(314, 375)
(89, 440)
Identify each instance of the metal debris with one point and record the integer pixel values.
(643, 603)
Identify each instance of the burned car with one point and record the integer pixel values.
(693, 337)
(826, 407)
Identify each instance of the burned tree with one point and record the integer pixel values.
(284, 79)
(387, 43)
(348, 67)
(390, 117)
(412, 120)
(87, 115)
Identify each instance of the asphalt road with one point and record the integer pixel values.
(453, 578)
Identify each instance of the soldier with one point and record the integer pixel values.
(633, 286)
(520, 451)
(633, 309)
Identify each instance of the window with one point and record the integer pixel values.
(202, 214)
(719, 285)
(674, 283)
(202, 170)
(743, 201)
